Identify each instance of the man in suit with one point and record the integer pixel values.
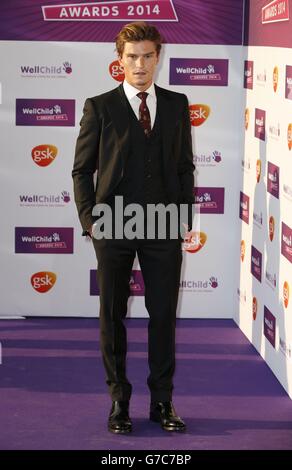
(138, 137)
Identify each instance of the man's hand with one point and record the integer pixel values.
(89, 234)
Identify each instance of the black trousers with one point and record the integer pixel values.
(160, 262)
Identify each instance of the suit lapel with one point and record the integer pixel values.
(118, 111)
(167, 123)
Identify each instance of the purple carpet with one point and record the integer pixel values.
(54, 396)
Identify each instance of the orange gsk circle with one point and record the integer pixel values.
(254, 307)
(246, 118)
(258, 170)
(286, 293)
(117, 71)
(275, 78)
(289, 136)
(242, 249)
(197, 242)
(271, 227)
(43, 281)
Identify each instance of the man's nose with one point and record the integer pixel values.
(140, 62)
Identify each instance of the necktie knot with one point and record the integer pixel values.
(142, 95)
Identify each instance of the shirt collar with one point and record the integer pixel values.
(131, 91)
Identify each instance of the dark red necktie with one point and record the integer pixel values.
(144, 114)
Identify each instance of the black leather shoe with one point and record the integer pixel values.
(164, 413)
(119, 421)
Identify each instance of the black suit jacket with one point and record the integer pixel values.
(103, 145)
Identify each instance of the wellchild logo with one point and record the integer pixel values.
(207, 285)
(208, 160)
(44, 200)
(199, 113)
(245, 164)
(136, 283)
(209, 200)
(254, 308)
(248, 74)
(44, 240)
(260, 124)
(288, 82)
(116, 71)
(256, 263)
(44, 155)
(271, 279)
(269, 326)
(198, 72)
(275, 79)
(286, 242)
(244, 207)
(287, 190)
(261, 78)
(285, 348)
(46, 71)
(257, 218)
(43, 281)
(241, 295)
(275, 131)
(273, 180)
(45, 112)
(286, 294)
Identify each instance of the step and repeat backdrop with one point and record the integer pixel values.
(55, 54)
(265, 200)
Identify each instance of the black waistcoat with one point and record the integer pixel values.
(142, 180)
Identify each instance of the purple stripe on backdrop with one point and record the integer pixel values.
(276, 30)
(199, 22)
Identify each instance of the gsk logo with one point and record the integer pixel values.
(198, 240)
(275, 78)
(43, 281)
(242, 250)
(271, 228)
(246, 119)
(258, 170)
(286, 293)
(199, 113)
(254, 308)
(289, 136)
(44, 155)
(117, 71)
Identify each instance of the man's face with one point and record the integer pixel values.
(139, 60)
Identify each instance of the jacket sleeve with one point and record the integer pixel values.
(186, 167)
(85, 165)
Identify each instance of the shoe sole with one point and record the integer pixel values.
(120, 431)
(153, 417)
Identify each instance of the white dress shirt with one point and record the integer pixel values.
(135, 101)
